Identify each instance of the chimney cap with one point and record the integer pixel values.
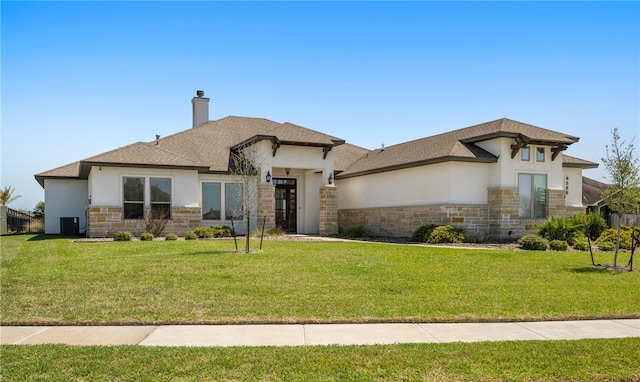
(200, 93)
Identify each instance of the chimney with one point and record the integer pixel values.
(200, 108)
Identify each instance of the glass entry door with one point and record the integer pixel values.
(286, 204)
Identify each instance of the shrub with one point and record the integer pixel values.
(558, 228)
(581, 244)
(212, 232)
(190, 236)
(171, 236)
(353, 232)
(611, 235)
(155, 222)
(421, 234)
(122, 236)
(533, 242)
(146, 236)
(558, 245)
(607, 246)
(591, 224)
(446, 234)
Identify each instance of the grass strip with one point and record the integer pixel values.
(592, 360)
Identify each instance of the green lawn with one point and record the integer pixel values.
(583, 360)
(55, 280)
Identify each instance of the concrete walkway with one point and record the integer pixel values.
(317, 334)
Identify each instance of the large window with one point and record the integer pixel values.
(533, 195)
(219, 206)
(133, 197)
(160, 197)
(211, 198)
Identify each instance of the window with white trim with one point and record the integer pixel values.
(525, 154)
(533, 196)
(133, 197)
(211, 200)
(160, 197)
(540, 154)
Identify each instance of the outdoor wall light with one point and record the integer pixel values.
(330, 178)
(287, 170)
(268, 177)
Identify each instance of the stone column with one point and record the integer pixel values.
(556, 206)
(328, 211)
(267, 205)
(504, 222)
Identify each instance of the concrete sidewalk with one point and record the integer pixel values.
(317, 334)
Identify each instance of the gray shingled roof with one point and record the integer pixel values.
(457, 145)
(205, 147)
(592, 190)
(569, 161)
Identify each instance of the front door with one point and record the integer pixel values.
(286, 204)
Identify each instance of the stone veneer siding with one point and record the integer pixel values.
(402, 221)
(267, 205)
(104, 221)
(497, 220)
(328, 211)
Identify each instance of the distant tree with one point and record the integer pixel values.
(623, 196)
(6, 195)
(38, 210)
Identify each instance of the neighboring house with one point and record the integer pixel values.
(496, 180)
(592, 196)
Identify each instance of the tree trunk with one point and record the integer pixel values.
(246, 247)
(615, 254)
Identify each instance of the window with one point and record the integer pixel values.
(160, 190)
(525, 153)
(211, 198)
(233, 200)
(540, 154)
(533, 195)
(133, 197)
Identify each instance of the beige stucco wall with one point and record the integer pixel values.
(64, 198)
(442, 183)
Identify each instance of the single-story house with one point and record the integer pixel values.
(495, 180)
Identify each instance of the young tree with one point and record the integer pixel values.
(624, 174)
(38, 210)
(244, 166)
(6, 195)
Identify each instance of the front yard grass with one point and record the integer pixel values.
(57, 281)
(582, 360)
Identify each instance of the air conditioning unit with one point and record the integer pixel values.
(70, 226)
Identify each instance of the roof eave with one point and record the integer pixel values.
(580, 165)
(503, 134)
(85, 167)
(417, 164)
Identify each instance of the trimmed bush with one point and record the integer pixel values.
(122, 236)
(607, 246)
(558, 245)
(190, 236)
(146, 236)
(446, 234)
(581, 245)
(611, 235)
(533, 242)
(213, 232)
(422, 233)
(171, 236)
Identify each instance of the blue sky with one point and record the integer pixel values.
(81, 78)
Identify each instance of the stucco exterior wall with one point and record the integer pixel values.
(442, 183)
(105, 185)
(64, 198)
